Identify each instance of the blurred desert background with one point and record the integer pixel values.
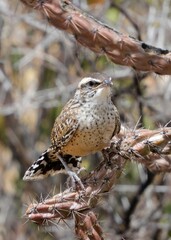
(40, 68)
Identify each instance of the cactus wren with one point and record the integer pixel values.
(86, 125)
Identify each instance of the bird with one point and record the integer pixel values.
(85, 125)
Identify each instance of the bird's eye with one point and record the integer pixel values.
(93, 83)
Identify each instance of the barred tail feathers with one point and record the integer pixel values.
(49, 164)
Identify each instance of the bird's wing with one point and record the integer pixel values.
(65, 125)
(64, 128)
(117, 122)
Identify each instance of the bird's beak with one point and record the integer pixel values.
(108, 82)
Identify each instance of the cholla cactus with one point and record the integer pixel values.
(102, 39)
(149, 147)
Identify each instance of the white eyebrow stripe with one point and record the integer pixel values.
(95, 79)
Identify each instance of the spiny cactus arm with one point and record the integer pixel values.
(141, 145)
(102, 39)
(149, 147)
(87, 227)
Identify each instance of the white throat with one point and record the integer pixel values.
(103, 95)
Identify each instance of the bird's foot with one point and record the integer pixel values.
(75, 180)
(81, 170)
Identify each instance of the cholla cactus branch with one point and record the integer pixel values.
(87, 227)
(149, 147)
(64, 204)
(102, 39)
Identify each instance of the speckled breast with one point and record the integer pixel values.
(96, 127)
